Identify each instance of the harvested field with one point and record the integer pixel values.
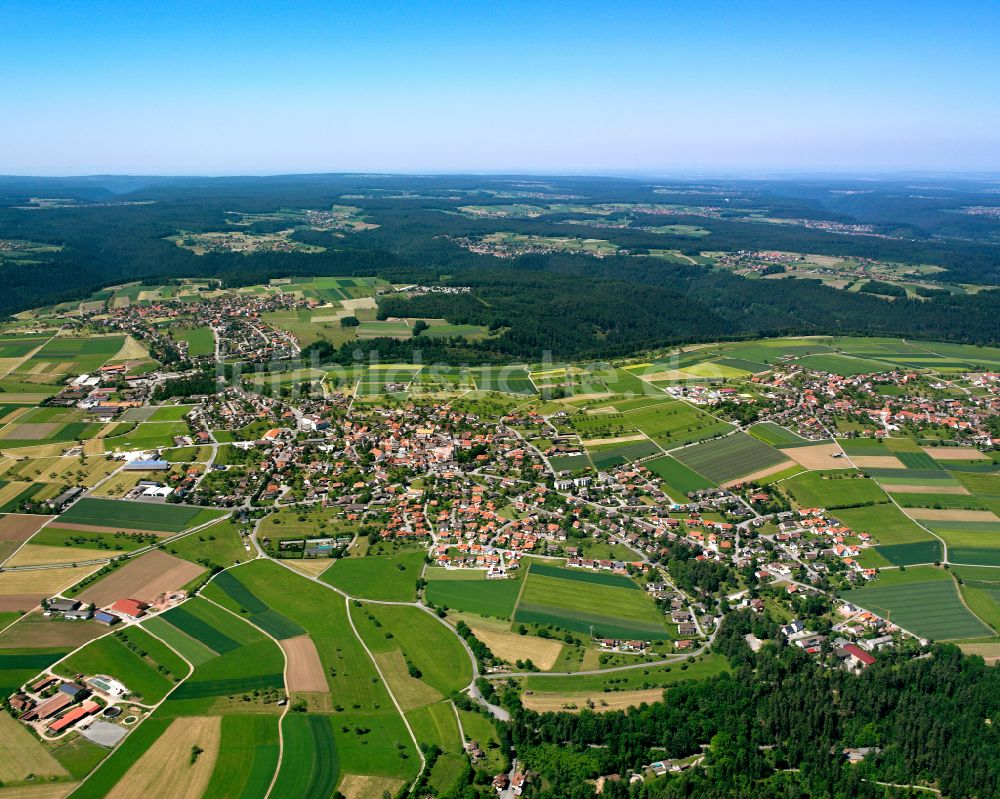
(954, 453)
(512, 647)
(38, 555)
(304, 671)
(988, 652)
(877, 462)
(52, 790)
(21, 754)
(602, 702)
(816, 456)
(20, 526)
(758, 475)
(928, 489)
(93, 528)
(34, 631)
(600, 442)
(36, 431)
(164, 770)
(143, 578)
(951, 515)
(311, 567)
(21, 590)
(359, 786)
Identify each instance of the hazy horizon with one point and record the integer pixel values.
(434, 88)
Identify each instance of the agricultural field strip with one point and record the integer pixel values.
(117, 555)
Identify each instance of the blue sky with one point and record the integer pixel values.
(264, 87)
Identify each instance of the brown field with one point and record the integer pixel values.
(20, 526)
(989, 652)
(950, 515)
(39, 555)
(51, 790)
(143, 578)
(40, 450)
(93, 446)
(22, 754)
(164, 770)
(817, 456)
(35, 630)
(778, 467)
(954, 453)
(877, 462)
(359, 786)
(908, 489)
(603, 702)
(304, 671)
(21, 590)
(512, 647)
(14, 602)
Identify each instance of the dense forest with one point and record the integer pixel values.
(114, 230)
(777, 727)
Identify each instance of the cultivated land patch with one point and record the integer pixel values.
(165, 770)
(21, 590)
(952, 515)
(21, 754)
(954, 453)
(387, 577)
(730, 457)
(304, 671)
(360, 786)
(580, 601)
(930, 608)
(816, 456)
(678, 479)
(597, 701)
(121, 514)
(877, 462)
(543, 652)
(477, 595)
(143, 578)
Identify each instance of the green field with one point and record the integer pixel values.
(112, 655)
(633, 679)
(930, 608)
(778, 436)
(728, 458)
(113, 513)
(309, 765)
(200, 340)
(677, 478)
(579, 601)
(843, 488)
(248, 757)
(478, 595)
(245, 602)
(424, 640)
(390, 577)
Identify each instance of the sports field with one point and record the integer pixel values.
(730, 457)
(579, 601)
